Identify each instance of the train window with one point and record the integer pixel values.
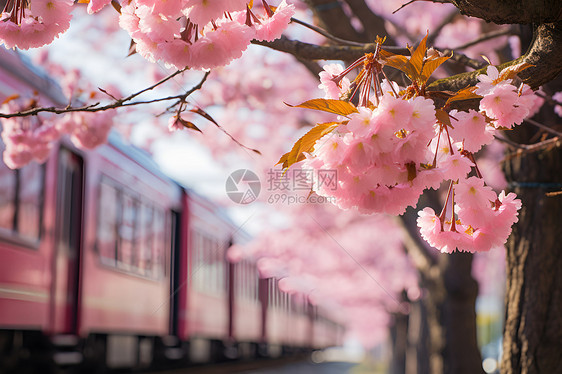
(29, 204)
(147, 239)
(197, 264)
(127, 229)
(107, 226)
(160, 241)
(21, 200)
(132, 235)
(8, 185)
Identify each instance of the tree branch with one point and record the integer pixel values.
(545, 54)
(332, 18)
(521, 12)
(125, 102)
(372, 23)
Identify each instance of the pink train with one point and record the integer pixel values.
(107, 262)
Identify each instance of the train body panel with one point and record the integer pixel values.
(133, 253)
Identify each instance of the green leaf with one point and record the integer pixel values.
(343, 108)
(306, 143)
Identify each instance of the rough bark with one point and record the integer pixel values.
(533, 327)
(512, 11)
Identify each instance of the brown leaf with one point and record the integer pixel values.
(401, 63)
(417, 57)
(511, 71)
(343, 108)
(116, 6)
(430, 65)
(443, 117)
(411, 168)
(189, 125)
(132, 48)
(464, 94)
(10, 98)
(306, 143)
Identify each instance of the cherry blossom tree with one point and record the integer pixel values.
(395, 131)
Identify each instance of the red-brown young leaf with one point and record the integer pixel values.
(430, 65)
(443, 117)
(343, 108)
(10, 98)
(417, 57)
(306, 143)
(116, 5)
(511, 71)
(401, 63)
(464, 94)
(132, 48)
(189, 125)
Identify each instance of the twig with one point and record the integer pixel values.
(325, 33)
(125, 102)
(509, 142)
(447, 20)
(543, 127)
(413, 1)
(485, 37)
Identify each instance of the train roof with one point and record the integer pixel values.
(20, 67)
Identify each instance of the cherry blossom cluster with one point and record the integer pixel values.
(31, 138)
(181, 33)
(30, 24)
(378, 155)
(200, 34)
(398, 143)
(484, 219)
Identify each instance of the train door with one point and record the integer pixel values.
(70, 186)
(175, 278)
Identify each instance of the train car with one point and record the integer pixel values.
(84, 243)
(96, 277)
(246, 307)
(107, 262)
(202, 310)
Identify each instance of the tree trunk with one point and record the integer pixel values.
(417, 353)
(451, 317)
(399, 338)
(448, 337)
(533, 328)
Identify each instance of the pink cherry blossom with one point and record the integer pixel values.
(34, 27)
(95, 6)
(471, 129)
(333, 89)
